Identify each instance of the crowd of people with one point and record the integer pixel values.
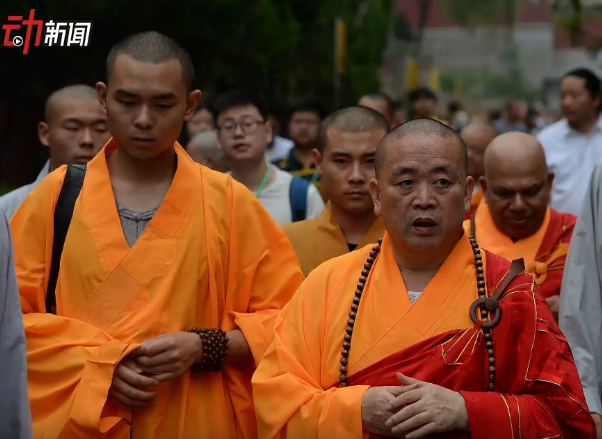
(216, 289)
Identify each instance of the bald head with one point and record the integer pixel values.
(516, 184)
(204, 148)
(58, 99)
(355, 119)
(515, 153)
(477, 136)
(421, 127)
(153, 48)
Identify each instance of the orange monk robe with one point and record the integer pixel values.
(210, 257)
(317, 240)
(474, 202)
(544, 252)
(296, 390)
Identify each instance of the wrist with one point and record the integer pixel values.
(213, 349)
(462, 422)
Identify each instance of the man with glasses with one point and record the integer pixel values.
(244, 132)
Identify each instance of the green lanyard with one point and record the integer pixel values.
(314, 178)
(264, 180)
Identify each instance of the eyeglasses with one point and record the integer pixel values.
(248, 126)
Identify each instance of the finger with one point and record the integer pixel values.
(400, 390)
(404, 414)
(145, 361)
(127, 403)
(406, 398)
(411, 424)
(132, 392)
(406, 381)
(423, 431)
(162, 368)
(135, 379)
(167, 376)
(131, 364)
(155, 346)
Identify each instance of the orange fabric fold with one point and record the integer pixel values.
(210, 257)
(302, 364)
(317, 240)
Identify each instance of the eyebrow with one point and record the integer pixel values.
(370, 154)
(76, 120)
(129, 94)
(412, 170)
(503, 188)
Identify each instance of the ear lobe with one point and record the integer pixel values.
(43, 133)
(317, 160)
(101, 91)
(194, 97)
(375, 192)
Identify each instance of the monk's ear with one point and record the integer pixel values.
(468, 194)
(375, 192)
(101, 91)
(43, 133)
(317, 160)
(551, 176)
(194, 97)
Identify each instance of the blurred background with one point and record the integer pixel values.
(476, 54)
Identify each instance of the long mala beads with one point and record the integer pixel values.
(482, 303)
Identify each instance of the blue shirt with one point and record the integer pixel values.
(572, 157)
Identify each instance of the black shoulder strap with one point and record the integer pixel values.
(298, 198)
(63, 212)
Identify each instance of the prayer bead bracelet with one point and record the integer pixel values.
(215, 349)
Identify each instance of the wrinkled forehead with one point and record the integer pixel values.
(421, 152)
(147, 79)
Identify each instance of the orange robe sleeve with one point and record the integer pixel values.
(294, 404)
(77, 358)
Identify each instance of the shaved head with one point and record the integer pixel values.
(516, 153)
(351, 120)
(204, 148)
(79, 92)
(517, 184)
(153, 48)
(477, 136)
(420, 127)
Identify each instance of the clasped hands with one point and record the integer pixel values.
(159, 359)
(413, 410)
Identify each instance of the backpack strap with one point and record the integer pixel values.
(63, 212)
(298, 198)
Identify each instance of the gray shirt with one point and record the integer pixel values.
(133, 222)
(15, 417)
(581, 293)
(9, 203)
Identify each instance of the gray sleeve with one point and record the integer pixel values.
(15, 418)
(581, 293)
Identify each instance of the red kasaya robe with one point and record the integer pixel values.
(537, 389)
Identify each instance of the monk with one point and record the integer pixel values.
(476, 136)
(74, 129)
(204, 148)
(346, 147)
(515, 220)
(399, 352)
(170, 280)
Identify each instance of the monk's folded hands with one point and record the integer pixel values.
(375, 412)
(423, 409)
(168, 356)
(130, 389)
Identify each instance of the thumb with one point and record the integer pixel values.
(406, 381)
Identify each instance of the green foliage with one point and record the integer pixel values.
(481, 12)
(281, 47)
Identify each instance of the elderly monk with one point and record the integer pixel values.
(515, 220)
(204, 148)
(476, 136)
(170, 280)
(74, 130)
(437, 338)
(345, 155)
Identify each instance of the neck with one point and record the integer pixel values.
(249, 174)
(418, 268)
(585, 127)
(354, 225)
(304, 153)
(129, 168)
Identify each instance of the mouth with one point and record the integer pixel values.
(83, 159)
(424, 226)
(356, 194)
(518, 221)
(143, 140)
(241, 147)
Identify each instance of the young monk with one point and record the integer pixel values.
(170, 278)
(515, 220)
(400, 352)
(346, 148)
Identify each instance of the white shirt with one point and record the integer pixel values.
(572, 157)
(280, 149)
(10, 202)
(275, 197)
